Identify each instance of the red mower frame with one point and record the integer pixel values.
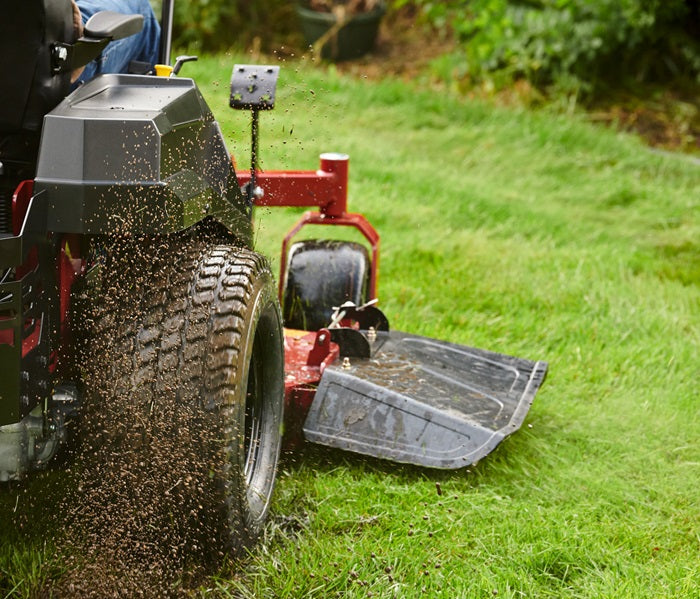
(327, 189)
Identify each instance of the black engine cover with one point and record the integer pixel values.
(137, 152)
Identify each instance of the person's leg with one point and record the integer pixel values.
(117, 55)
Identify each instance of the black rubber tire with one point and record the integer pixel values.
(192, 339)
(322, 274)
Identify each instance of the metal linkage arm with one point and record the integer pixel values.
(325, 188)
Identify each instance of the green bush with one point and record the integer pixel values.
(211, 25)
(578, 44)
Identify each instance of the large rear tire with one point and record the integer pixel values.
(189, 385)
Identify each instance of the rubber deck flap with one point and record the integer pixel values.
(423, 401)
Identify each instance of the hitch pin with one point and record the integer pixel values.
(336, 318)
(339, 313)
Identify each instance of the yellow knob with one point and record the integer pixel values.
(164, 70)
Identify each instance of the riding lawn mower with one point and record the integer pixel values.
(137, 161)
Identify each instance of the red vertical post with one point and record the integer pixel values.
(337, 164)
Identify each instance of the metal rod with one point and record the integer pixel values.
(166, 31)
(253, 157)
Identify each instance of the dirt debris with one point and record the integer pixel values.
(135, 515)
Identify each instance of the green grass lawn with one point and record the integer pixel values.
(522, 232)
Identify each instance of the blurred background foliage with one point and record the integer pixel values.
(580, 46)
(574, 45)
(217, 25)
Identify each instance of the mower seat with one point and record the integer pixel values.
(38, 52)
(28, 87)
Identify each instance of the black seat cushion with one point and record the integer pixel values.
(28, 88)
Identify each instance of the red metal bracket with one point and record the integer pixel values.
(306, 355)
(20, 204)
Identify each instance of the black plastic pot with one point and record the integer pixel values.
(354, 39)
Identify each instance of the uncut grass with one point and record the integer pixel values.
(525, 233)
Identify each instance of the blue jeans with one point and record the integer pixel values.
(115, 58)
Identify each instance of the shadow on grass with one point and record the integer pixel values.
(320, 459)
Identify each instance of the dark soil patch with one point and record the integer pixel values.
(664, 118)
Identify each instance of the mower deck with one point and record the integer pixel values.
(414, 400)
